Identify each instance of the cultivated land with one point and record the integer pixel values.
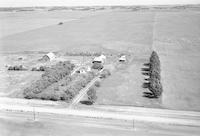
(173, 34)
(177, 40)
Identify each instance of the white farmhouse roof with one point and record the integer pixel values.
(98, 59)
(51, 56)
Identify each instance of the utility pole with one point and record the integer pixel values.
(33, 113)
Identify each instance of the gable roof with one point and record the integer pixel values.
(51, 55)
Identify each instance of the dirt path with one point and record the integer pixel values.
(83, 92)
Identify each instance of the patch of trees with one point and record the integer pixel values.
(155, 85)
(41, 68)
(77, 83)
(105, 73)
(50, 76)
(97, 66)
(58, 87)
(17, 68)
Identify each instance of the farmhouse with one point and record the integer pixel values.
(122, 58)
(82, 71)
(49, 56)
(100, 59)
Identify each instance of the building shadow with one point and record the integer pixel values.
(86, 102)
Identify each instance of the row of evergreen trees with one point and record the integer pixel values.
(155, 85)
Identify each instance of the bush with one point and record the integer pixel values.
(92, 95)
(97, 84)
(105, 73)
(97, 66)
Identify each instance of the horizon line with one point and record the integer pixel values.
(192, 4)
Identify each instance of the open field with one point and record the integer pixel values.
(177, 40)
(173, 34)
(16, 22)
(109, 30)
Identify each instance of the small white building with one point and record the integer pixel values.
(49, 56)
(122, 58)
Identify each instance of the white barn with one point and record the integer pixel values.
(100, 59)
(49, 56)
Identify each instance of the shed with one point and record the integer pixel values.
(99, 59)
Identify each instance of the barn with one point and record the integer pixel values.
(49, 56)
(99, 59)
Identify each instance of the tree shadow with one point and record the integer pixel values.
(146, 64)
(145, 69)
(147, 79)
(145, 85)
(86, 102)
(146, 73)
(148, 95)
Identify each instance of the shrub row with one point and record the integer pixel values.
(65, 89)
(50, 76)
(97, 66)
(17, 68)
(41, 68)
(155, 85)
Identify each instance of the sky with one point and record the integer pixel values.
(25, 3)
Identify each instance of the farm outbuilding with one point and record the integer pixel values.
(49, 56)
(99, 59)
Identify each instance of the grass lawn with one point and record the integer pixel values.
(124, 86)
